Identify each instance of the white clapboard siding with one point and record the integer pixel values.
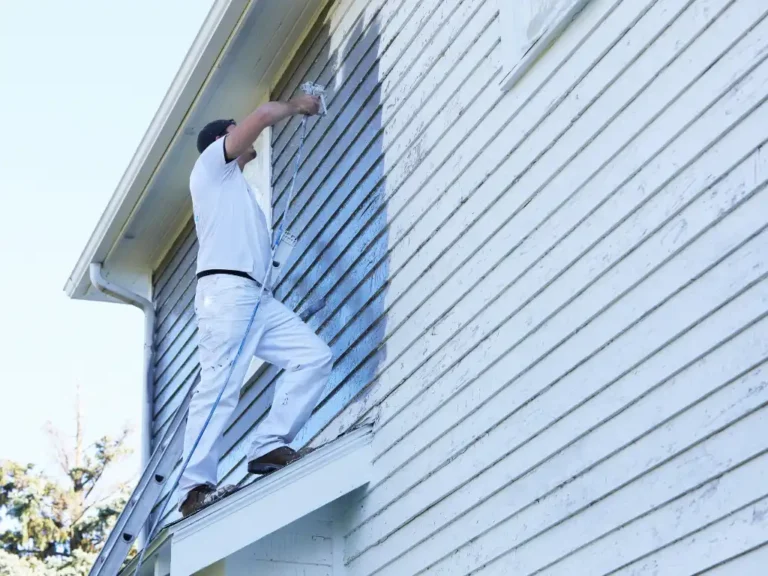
(676, 193)
(553, 300)
(682, 94)
(516, 230)
(574, 247)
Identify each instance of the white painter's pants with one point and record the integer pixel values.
(223, 305)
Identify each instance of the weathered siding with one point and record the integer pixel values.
(552, 299)
(559, 291)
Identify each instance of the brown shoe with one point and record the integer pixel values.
(273, 461)
(196, 499)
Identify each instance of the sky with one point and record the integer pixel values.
(79, 84)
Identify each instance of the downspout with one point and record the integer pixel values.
(106, 287)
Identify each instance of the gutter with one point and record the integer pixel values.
(110, 289)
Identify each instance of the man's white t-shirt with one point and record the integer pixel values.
(232, 230)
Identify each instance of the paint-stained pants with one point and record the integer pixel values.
(224, 305)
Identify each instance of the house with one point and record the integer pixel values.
(540, 230)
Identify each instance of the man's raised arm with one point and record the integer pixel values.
(245, 134)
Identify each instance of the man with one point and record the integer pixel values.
(233, 256)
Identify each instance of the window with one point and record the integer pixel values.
(528, 28)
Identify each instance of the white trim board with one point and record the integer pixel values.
(272, 503)
(528, 29)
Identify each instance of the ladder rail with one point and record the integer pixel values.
(139, 507)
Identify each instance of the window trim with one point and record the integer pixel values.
(519, 56)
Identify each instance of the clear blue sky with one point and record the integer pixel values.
(79, 83)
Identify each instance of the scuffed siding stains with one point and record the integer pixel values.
(734, 535)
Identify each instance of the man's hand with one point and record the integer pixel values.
(306, 104)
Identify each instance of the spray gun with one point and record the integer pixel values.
(316, 90)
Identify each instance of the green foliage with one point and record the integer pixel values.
(56, 528)
(77, 564)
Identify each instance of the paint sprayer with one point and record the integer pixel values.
(313, 89)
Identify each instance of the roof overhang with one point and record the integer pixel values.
(217, 532)
(241, 49)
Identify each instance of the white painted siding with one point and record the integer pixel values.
(552, 298)
(574, 295)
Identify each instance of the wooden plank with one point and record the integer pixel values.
(744, 530)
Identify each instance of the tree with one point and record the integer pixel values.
(57, 527)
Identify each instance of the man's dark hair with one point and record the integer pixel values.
(210, 132)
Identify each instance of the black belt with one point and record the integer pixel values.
(205, 273)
